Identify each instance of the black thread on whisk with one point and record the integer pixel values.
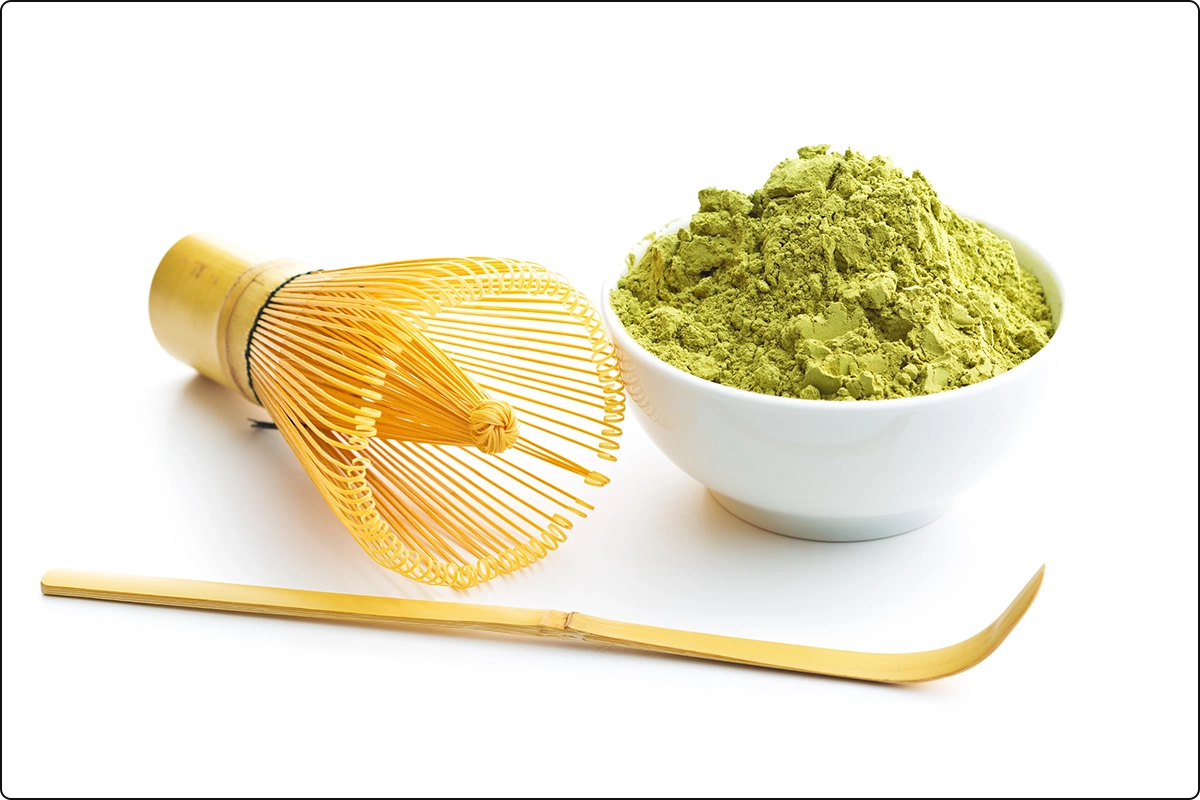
(254, 327)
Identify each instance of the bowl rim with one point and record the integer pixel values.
(624, 340)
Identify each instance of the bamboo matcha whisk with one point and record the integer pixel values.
(443, 407)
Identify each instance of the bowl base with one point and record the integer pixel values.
(830, 529)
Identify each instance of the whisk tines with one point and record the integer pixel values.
(441, 406)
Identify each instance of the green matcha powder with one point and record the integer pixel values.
(840, 279)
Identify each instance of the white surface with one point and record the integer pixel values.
(836, 472)
(558, 135)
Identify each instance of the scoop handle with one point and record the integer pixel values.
(248, 599)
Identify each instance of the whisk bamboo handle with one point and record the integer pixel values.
(205, 299)
(888, 668)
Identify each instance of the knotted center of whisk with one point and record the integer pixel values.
(494, 426)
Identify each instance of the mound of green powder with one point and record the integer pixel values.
(840, 279)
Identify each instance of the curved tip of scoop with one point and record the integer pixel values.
(966, 654)
(1035, 583)
(999, 630)
(1008, 620)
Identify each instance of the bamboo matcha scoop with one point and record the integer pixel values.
(883, 667)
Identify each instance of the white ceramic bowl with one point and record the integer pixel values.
(835, 471)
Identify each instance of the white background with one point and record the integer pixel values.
(562, 134)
